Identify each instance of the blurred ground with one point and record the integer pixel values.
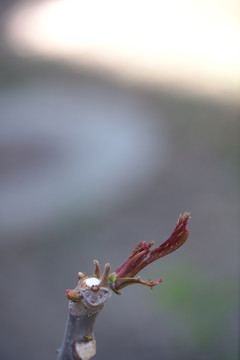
(89, 167)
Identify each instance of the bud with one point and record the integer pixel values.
(81, 275)
(73, 295)
(142, 256)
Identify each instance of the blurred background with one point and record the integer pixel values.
(114, 118)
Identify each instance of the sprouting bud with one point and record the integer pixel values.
(142, 256)
(97, 289)
(112, 277)
(81, 275)
(73, 295)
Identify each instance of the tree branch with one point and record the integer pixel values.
(86, 302)
(91, 293)
(78, 341)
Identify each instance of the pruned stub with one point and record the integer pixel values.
(93, 292)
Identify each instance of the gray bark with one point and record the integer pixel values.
(78, 341)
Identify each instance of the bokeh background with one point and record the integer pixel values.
(114, 118)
